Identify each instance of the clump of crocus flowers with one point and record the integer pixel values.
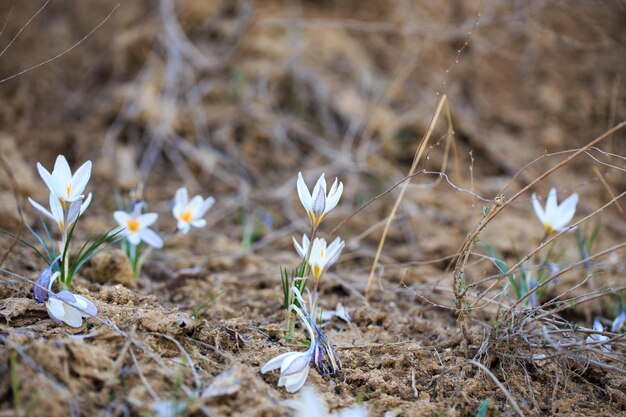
(67, 204)
(294, 366)
(317, 257)
(554, 217)
(316, 254)
(135, 223)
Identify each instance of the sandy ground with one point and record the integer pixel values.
(233, 99)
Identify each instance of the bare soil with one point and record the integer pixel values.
(348, 88)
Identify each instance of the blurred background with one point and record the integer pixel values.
(233, 98)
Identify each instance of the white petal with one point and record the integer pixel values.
(62, 171)
(181, 197)
(597, 326)
(57, 211)
(147, 219)
(337, 244)
(206, 205)
(151, 238)
(303, 192)
(294, 382)
(321, 182)
(301, 251)
(88, 308)
(47, 178)
(198, 223)
(41, 208)
(275, 362)
(183, 227)
(565, 212)
(72, 316)
(319, 246)
(195, 204)
(85, 204)
(55, 308)
(541, 215)
(551, 205)
(319, 202)
(177, 211)
(134, 238)
(295, 364)
(333, 252)
(333, 197)
(121, 217)
(80, 180)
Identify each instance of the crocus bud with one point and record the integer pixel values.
(43, 282)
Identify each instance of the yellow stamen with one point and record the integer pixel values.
(132, 225)
(186, 216)
(68, 189)
(317, 271)
(548, 228)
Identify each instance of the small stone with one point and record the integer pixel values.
(226, 383)
(110, 266)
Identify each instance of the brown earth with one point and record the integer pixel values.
(260, 91)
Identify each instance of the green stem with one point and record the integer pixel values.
(135, 251)
(290, 316)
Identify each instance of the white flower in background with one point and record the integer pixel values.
(618, 322)
(62, 183)
(190, 213)
(323, 256)
(318, 203)
(555, 217)
(136, 225)
(294, 366)
(63, 306)
(340, 312)
(595, 338)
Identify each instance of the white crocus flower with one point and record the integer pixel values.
(323, 255)
(189, 213)
(64, 306)
(62, 183)
(57, 213)
(304, 249)
(555, 217)
(136, 225)
(599, 338)
(618, 322)
(318, 203)
(294, 366)
(339, 312)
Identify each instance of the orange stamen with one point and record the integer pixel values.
(132, 225)
(186, 216)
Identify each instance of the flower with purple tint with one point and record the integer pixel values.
(619, 321)
(63, 306)
(294, 366)
(318, 202)
(599, 338)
